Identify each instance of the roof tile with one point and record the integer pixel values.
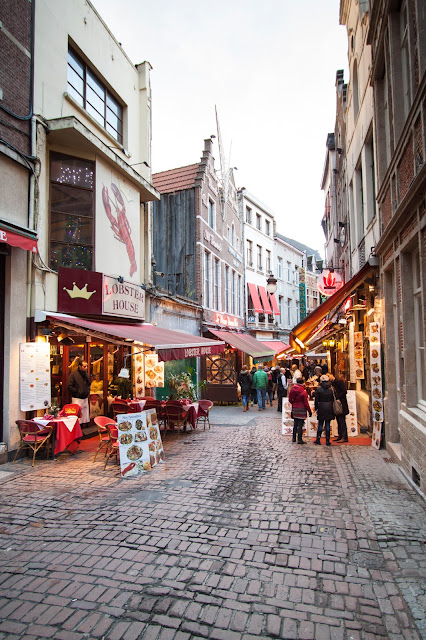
(175, 179)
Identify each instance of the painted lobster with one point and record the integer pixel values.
(120, 226)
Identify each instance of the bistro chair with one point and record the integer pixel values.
(119, 407)
(176, 415)
(113, 446)
(204, 407)
(72, 409)
(152, 403)
(33, 438)
(104, 436)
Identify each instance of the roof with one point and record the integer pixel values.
(302, 247)
(175, 179)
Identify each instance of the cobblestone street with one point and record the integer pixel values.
(239, 535)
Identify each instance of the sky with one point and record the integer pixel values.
(269, 67)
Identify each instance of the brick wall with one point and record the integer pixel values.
(15, 72)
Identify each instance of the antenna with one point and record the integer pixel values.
(224, 171)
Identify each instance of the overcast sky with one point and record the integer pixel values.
(269, 66)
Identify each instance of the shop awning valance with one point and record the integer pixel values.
(245, 343)
(17, 236)
(170, 345)
(257, 306)
(302, 331)
(276, 345)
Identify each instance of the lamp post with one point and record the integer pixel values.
(271, 283)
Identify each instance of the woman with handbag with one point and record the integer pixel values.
(339, 387)
(324, 399)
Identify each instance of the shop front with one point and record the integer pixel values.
(347, 328)
(221, 371)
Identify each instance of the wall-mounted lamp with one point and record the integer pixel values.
(120, 279)
(339, 151)
(124, 372)
(271, 283)
(65, 339)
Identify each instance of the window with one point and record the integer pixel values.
(248, 215)
(71, 212)
(216, 285)
(91, 94)
(239, 295)
(207, 279)
(234, 294)
(315, 298)
(249, 253)
(405, 60)
(258, 222)
(268, 261)
(296, 277)
(288, 272)
(267, 227)
(211, 214)
(280, 268)
(355, 90)
(259, 258)
(419, 349)
(227, 289)
(233, 235)
(289, 301)
(359, 202)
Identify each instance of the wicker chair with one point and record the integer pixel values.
(72, 409)
(119, 407)
(161, 412)
(204, 407)
(113, 448)
(176, 415)
(101, 423)
(33, 438)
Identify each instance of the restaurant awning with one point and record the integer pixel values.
(170, 345)
(301, 332)
(17, 236)
(276, 345)
(245, 343)
(265, 301)
(257, 306)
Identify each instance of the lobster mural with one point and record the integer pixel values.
(120, 225)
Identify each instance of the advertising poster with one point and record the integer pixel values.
(376, 372)
(359, 355)
(138, 370)
(154, 371)
(377, 435)
(133, 444)
(352, 375)
(34, 375)
(351, 419)
(287, 420)
(155, 444)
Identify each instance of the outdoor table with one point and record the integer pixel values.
(136, 405)
(66, 431)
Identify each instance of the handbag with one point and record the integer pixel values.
(337, 405)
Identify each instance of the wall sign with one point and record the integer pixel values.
(34, 375)
(329, 282)
(123, 299)
(225, 320)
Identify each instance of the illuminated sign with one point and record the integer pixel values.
(329, 282)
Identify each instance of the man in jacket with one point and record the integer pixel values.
(339, 387)
(245, 381)
(281, 388)
(300, 408)
(79, 389)
(324, 407)
(260, 382)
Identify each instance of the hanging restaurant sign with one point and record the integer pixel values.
(376, 372)
(329, 282)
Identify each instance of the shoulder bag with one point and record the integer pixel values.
(337, 405)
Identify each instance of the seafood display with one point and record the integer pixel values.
(120, 226)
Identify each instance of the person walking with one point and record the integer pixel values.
(339, 387)
(270, 387)
(275, 372)
(298, 399)
(245, 381)
(281, 388)
(295, 372)
(260, 382)
(253, 388)
(79, 389)
(324, 408)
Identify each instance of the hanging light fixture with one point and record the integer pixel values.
(271, 283)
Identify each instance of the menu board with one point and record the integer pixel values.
(351, 418)
(154, 371)
(376, 372)
(34, 375)
(359, 355)
(287, 420)
(377, 435)
(312, 422)
(140, 443)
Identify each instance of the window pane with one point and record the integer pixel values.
(75, 82)
(68, 170)
(95, 85)
(75, 63)
(113, 105)
(95, 114)
(66, 199)
(77, 96)
(68, 255)
(74, 229)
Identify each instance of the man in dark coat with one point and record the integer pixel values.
(324, 408)
(245, 380)
(281, 388)
(339, 387)
(79, 389)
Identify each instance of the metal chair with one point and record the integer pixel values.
(113, 447)
(176, 415)
(204, 407)
(101, 423)
(33, 438)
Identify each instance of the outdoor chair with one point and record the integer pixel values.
(113, 446)
(204, 407)
(33, 438)
(152, 403)
(72, 409)
(176, 416)
(119, 407)
(104, 436)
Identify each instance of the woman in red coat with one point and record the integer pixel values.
(298, 399)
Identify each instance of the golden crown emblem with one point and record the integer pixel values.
(75, 292)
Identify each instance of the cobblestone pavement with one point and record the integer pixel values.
(240, 535)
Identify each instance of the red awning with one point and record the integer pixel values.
(274, 304)
(170, 345)
(255, 297)
(265, 301)
(245, 343)
(16, 236)
(276, 345)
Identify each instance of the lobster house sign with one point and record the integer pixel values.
(92, 293)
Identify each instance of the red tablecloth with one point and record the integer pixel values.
(67, 435)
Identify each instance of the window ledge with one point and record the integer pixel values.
(416, 416)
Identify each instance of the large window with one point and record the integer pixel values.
(248, 215)
(259, 258)
(211, 213)
(71, 212)
(216, 285)
(234, 293)
(267, 227)
(268, 260)
(93, 96)
(249, 253)
(227, 289)
(280, 268)
(258, 222)
(239, 294)
(207, 279)
(405, 59)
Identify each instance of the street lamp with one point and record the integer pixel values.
(271, 284)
